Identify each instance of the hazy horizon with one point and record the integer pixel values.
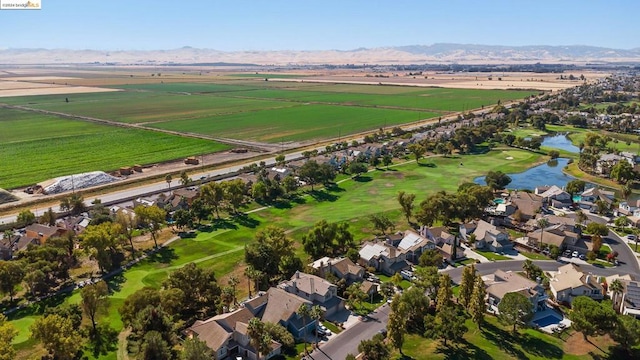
(280, 25)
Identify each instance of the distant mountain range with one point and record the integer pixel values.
(414, 54)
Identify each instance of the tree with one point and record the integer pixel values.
(477, 305)
(597, 229)
(616, 288)
(387, 160)
(575, 187)
(95, 301)
(316, 313)
(532, 270)
(467, 285)
(318, 242)
(497, 180)
(194, 349)
(268, 252)
(304, 311)
(152, 218)
(596, 242)
(387, 289)
(357, 168)
(622, 172)
(48, 218)
(200, 288)
(168, 179)
(185, 180)
(58, 336)
(234, 193)
(590, 317)
(626, 332)
(417, 150)
(374, 349)
(448, 325)
(26, 217)
(154, 319)
(155, 347)
(213, 195)
(430, 257)
(445, 293)
(406, 203)
(621, 221)
(355, 295)
(397, 324)
(7, 334)
(278, 333)
(543, 223)
(258, 336)
(11, 275)
(183, 219)
(128, 223)
(138, 301)
(101, 242)
(554, 154)
(233, 282)
(280, 160)
(290, 184)
(309, 172)
(581, 217)
(427, 279)
(381, 222)
(73, 203)
(417, 305)
(515, 310)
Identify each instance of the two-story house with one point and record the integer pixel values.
(413, 245)
(383, 257)
(446, 243)
(282, 308)
(590, 196)
(342, 268)
(560, 235)
(570, 282)
(488, 236)
(501, 283)
(316, 290)
(43, 232)
(556, 197)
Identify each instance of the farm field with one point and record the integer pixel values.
(221, 248)
(251, 109)
(48, 146)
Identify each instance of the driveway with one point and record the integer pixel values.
(347, 341)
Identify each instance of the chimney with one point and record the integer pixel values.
(298, 274)
(313, 290)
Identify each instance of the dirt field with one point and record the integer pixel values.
(38, 89)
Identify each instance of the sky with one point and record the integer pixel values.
(241, 25)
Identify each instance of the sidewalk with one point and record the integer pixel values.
(470, 254)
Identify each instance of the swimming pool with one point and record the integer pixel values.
(498, 201)
(547, 320)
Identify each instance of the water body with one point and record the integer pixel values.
(560, 141)
(549, 173)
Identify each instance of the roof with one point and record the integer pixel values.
(548, 237)
(256, 302)
(346, 266)
(527, 203)
(372, 250)
(484, 227)
(553, 191)
(185, 193)
(570, 276)
(565, 220)
(412, 241)
(632, 296)
(501, 283)
(281, 305)
(212, 333)
(367, 286)
(310, 284)
(42, 229)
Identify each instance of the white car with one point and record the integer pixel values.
(574, 254)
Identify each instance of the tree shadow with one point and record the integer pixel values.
(463, 350)
(385, 169)
(246, 221)
(618, 352)
(115, 282)
(363, 179)
(430, 165)
(321, 196)
(222, 224)
(104, 341)
(164, 255)
(539, 347)
(282, 204)
(334, 188)
(503, 340)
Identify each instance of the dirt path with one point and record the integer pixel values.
(122, 353)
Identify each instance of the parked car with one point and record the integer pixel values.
(574, 254)
(406, 274)
(631, 237)
(581, 257)
(383, 331)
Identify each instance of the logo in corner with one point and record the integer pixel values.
(20, 5)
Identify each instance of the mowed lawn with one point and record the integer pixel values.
(302, 122)
(38, 147)
(222, 248)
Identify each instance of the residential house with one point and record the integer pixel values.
(43, 232)
(446, 243)
(226, 335)
(628, 208)
(282, 308)
(369, 288)
(501, 283)
(527, 204)
(589, 197)
(315, 289)
(556, 197)
(634, 221)
(488, 236)
(561, 236)
(628, 302)
(77, 224)
(181, 199)
(570, 282)
(6, 247)
(413, 245)
(607, 161)
(383, 257)
(342, 268)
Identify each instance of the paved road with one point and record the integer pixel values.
(347, 341)
(545, 265)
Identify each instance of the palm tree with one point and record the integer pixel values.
(581, 217)
(616, 288)
(304, 312)
(316, 313)
(260, 339)
(543, 223)
(168, 179)
(233, 282)
(626, 190)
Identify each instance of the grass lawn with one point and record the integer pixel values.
(221, 247)
(404, 284)
(577, 136)
(495, 341)
(534, 256)
(466, 262)
(334, 329)
(52, 146)
(491, 255)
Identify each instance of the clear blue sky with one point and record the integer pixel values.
(318, 24)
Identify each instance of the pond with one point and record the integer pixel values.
(560, 141)
(549, 173)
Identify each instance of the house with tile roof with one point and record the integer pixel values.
(570, 281)
(502, 282)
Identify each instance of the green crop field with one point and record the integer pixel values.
(301, 122)
(40, 147)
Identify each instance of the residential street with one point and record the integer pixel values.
(347, 341)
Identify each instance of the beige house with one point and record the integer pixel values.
(383, 257)
(316, 290)
(342, 268)
(570, 282)
(501, 283)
